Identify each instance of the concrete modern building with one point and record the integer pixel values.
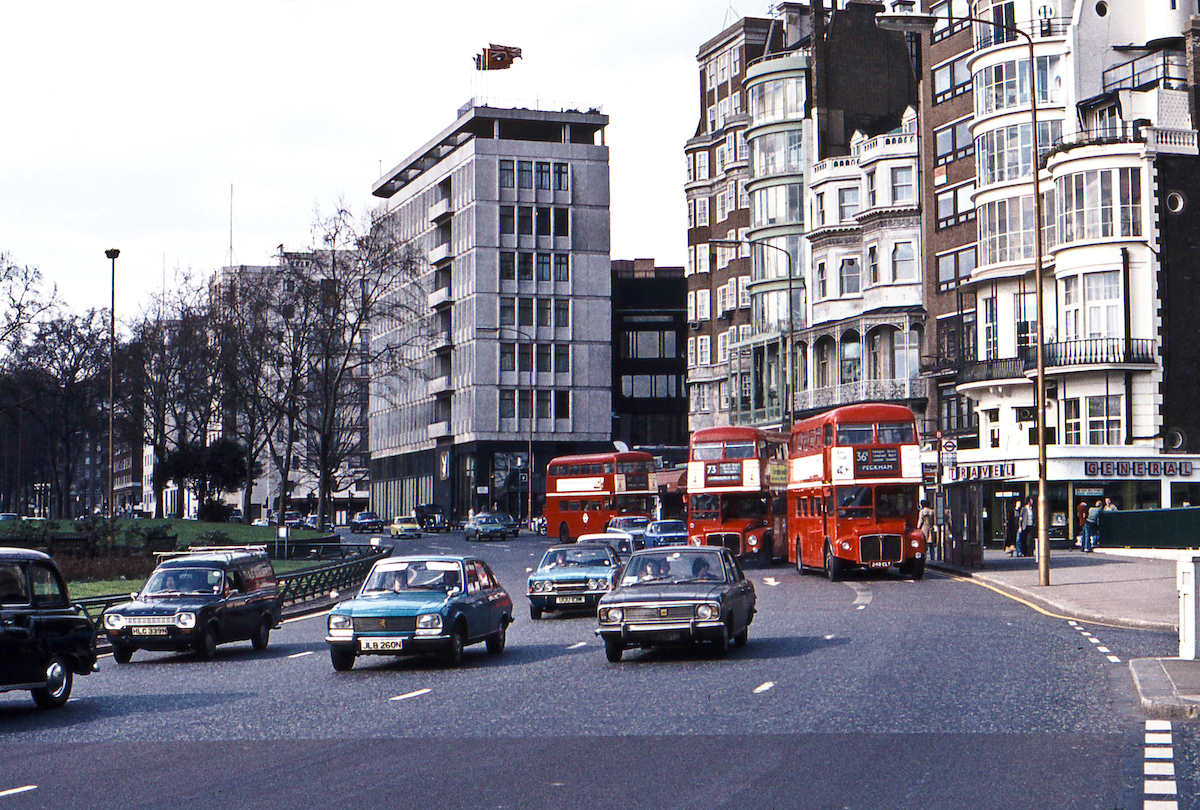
(510, 207)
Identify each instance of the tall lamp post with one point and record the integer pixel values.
(915, 23)
(112, 254)
(788, 387)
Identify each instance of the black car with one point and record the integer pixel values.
(44, 640)
(678, 595)
(197, 600)
(510, 523)
(431, 517)
(366, 522)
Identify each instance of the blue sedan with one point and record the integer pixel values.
(572, 578)
(429, 604)
(666, 533)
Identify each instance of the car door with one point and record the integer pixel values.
(53, 623)
(475, 604)
(742, 593)
(18, 659)
(497, 599)
(237, 622)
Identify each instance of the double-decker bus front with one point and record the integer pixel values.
(736, 492)
(854, 481)
(584, 492)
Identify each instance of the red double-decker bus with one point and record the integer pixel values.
(737, 491)
(854, 477)
(584, 492)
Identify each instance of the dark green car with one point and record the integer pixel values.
(428, 604)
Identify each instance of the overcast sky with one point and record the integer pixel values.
(126, 124)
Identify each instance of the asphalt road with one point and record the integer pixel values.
(874, 693)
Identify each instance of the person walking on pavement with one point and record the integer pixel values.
(1027, 528)
(925, 526)
(1091, 526)
(1012, 529)
(1081, 518)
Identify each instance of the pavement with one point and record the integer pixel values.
(1133, 588)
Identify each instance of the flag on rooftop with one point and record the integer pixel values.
(496, 57)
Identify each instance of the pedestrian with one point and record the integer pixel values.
(1109, 506)
(1012, 528)
(925, 524)
(1081, 518)
(1028, 526)
(1091, 526)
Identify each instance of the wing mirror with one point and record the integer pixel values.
(453, 591)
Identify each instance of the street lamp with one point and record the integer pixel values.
(532, 404)
(112, 254)
(914, 23)
(791, 315)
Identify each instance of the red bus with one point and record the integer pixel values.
(854, 478)
(737, 491)
(584, 492)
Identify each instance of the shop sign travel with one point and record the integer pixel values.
(983, 472)
(1138, 469)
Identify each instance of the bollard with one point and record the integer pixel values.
(1186, 571)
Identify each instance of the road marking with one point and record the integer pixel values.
(766, 687)
(1158, 725)
(307, 616)
(1153, 785)
(1114, 659)
(1152, 804)
(1093, 639)
(861, 607)
(528, 570)
(1155, 738)
(14, 791)
(1160, 753)
(830, 638)
(301, 655)
(578, 645)
(417, 693)
(863, 594)
(1103, 649)
(1158, 769)
(1160, 787)
(771, 581)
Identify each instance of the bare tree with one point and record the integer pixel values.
(22, 302)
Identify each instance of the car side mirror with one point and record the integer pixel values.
(453, 591)
(133, 595)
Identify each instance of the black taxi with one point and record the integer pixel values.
(196, 600)
(44, 640)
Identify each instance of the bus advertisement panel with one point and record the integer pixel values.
(584, 492)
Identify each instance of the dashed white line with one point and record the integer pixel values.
(1159, 763)
(15, 791)
(1158, 738)
(1158, 769)
(830, 637)
(301, 654)
(771, 581)
(417, 693)
(528, 570)
(861, 607)
(577, 645)
(1093, 639)
(1160, 753)
(1160, 787)
(766, 687)
(1114, 659)
(1158, 725)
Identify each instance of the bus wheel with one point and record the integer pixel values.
(918, 569)
(564, 534)
(833, 566)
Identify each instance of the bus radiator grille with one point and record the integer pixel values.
(730, 540)
(877, 547)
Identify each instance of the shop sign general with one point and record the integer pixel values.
(1138, 469)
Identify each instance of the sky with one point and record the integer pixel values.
(141, 126)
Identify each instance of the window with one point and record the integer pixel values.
(822, 282)
(562, 358)
(508, 357)
(1026, 304)
(543, 311)
(953, 142)
(1006, 230)
(723, 347)
(819, 211)
(1071, 312)
(525, 311)
(1104, 419)
(847, 204)
(1102, 301)
(543, 176)
(704, 350)
(525, 403)
(562, 404)
(525, 266)
(508, 404)
(1072, 430)
(743, 292)
(1006, 153)
(544, 361)
(702, 211)
(508, 222)
(1006, 85)
(849, 281)
(507, 174)
(904, 264)
(691, 209)
(955, 267)
(562, 218)
(562, 312)
(851, 371)
(47, 592)
(954, 206)
(870, 189)
(543, 221)
(543, 267)
(903, 190)
(508, 311)
(873, 264)
(562, 177)
(1098, 204)
(508, 266)
(562, 267)
(691, 305)
(525, 220)
(703, 305)
(524, 357)
(951, 79)
(525, 174)
(702, 165)
(691, 352)
(991, 329)
(951, 17)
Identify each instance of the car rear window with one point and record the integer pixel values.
(13, 588)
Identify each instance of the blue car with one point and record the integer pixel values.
(427, 604)
(572, 578)
(666, 533)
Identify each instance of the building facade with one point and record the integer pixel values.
(510, 207)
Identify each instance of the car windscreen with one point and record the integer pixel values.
(683, 565)
(629, 523)
(667, 527)
(415, 575)
(174, 581)
(575, 558)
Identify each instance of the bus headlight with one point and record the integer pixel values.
(752, 541)
(114, 621)
(915, 543)
(593, 584)
(845, 544)
(695, 539)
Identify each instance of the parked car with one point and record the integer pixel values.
(428, 604)
(431, 517)
(632, 525)
(620, 543)
(485, 527)
(511, 524)
(9, 516)
(196, 600)
(235, 516)
(677, 595)
(405, 527)
(666, 533)
(572, 578)
(44, 640)
(366, 522)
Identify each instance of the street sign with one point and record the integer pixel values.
(949, 446)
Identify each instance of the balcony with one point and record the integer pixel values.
(440, 297)
(437, 430)
(987, 35)
(1092, 352)
(1168, 68)
(440, 253)
(440, 210)
(940, 364)
(1115, 133)
(439, 385)
(1161, 140)
(441, 342)
(1007, 368)
(890, 390)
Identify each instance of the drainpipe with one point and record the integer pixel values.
(1127, 357)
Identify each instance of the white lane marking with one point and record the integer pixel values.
(861, 607)
(528, 570)
(14, 791)
(1114, 659)
(1160, 753)
(1158, 738)
(577, 645)
(1160, 804)
(417, 693)
(307, 616)
(1103, 649)
(1160, 787)
(1093, 639)
(301, 655)
(771, 581)
(862, 594)
(1073, 623)
(1158, 769)
(766, 687)
(830, 638)
(1158, 725)
(1086, 634)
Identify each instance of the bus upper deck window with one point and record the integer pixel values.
(896, 433)
(739, 450)
(706, 452)
(855, 435)
(829, 435)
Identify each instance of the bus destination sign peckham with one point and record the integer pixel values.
(883, 461)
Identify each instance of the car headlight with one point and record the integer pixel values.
(339, 622)
(185, 620)
(593, 584)
(706, 612)
(114, 621)
(752, 541)
(547, 586)
(614, 614)
(429, 623)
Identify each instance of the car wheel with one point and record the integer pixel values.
(342, 660)
(262, 635)
(721, 643)
(496, 641)
(454, 648)
(206, 645)
(833, 566)
(742, 638)
(918, 569)
(535, 613)
(57, 690)
(564, 534)
(613, 650)
(122, 654)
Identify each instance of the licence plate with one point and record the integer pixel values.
(380, 644)
(160, 630)
(571, 600)
(880, 564)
